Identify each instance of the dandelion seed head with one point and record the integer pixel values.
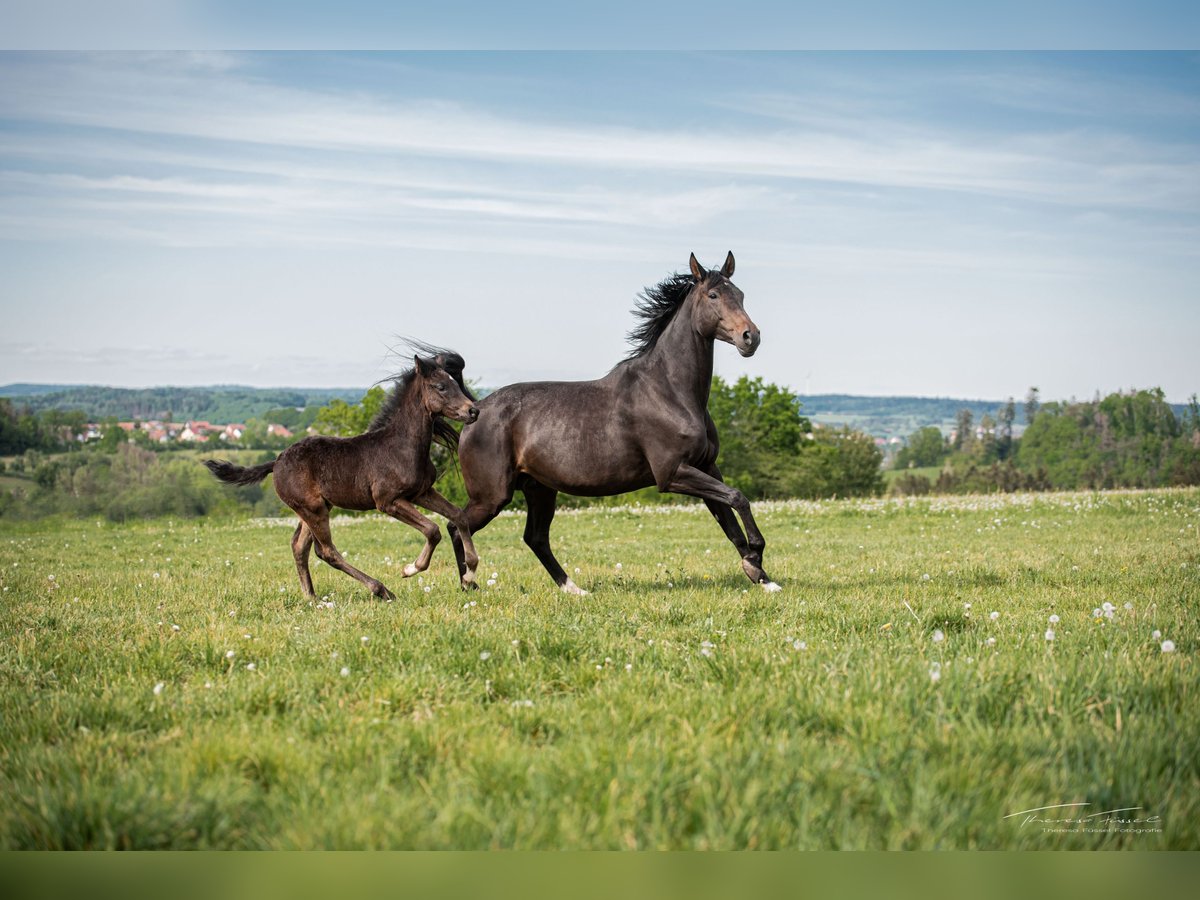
(158, 688)
(993, 615)
(991, 642)
(1054, 620)
(485, 655)
(938, 636)
(1049, 634)
(1168, 646)
(230, 654)
(345, 671)
(1156, 634)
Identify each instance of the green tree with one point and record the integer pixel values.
(925, 447)
(342, 419)
(1032, 405)
(964, 430)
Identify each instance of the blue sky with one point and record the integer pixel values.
(963, 224)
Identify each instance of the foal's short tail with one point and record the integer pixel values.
(227, 471)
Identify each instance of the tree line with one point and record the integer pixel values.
(1125, 440)
(768, 450)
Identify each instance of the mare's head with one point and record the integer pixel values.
(717, 310)
(440, 382)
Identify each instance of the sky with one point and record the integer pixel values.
(939, 224)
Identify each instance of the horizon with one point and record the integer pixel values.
(905, 225)
(1019, 399)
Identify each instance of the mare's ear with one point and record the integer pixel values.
(425, 368)
(697, 270)
(727, 269)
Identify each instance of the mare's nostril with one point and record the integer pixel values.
(474, 413)
(747, 337)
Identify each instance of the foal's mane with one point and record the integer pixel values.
(656, 307)
(443, 432)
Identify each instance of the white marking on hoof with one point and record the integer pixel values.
(771, 587)
(468, 578)
(410, 570)
(572, 588)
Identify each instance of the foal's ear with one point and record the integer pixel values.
(727, 269)
(697, 270)
(425, 368)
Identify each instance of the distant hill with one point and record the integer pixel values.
(217, 403)
(901, 416)
(896, 416)
(22, 389)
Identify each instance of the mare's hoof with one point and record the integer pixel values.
(754, 573)
(410, 570)
(770, 587)
(571, 587)
(383, 593)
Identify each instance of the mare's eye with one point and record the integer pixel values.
(712, 295)
(441, 388)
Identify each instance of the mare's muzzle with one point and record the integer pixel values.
(747, 342)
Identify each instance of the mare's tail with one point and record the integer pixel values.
(228, 472)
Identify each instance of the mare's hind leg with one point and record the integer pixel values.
(317, 522)
(302, 541)
(540, 501)
(456, 520)
(403, 511)
(696, 483)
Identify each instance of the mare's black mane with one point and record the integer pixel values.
(656, 307)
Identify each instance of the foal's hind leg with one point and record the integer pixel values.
(540, 501)
(403, 511)
(302, 541)
(318, 524)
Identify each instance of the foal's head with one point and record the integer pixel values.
(440, 391)
(717, 308)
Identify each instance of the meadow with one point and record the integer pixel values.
(933, 669)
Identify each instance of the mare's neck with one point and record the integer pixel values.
(683, 357)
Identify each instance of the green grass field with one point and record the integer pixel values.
(164, 685)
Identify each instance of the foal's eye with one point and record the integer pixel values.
(712, 295)
(441, 388)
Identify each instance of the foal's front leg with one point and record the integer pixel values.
(404, 511)
(435, 502)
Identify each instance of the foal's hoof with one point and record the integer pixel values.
(410, 570)
(468, 582)
(383, 593)
(571, 587)
(770, 587)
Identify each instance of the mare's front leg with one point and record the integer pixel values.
(402, 510)
(460, 532)
(695, 483)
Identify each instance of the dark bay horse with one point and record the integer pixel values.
(645, 422)
(387, 467)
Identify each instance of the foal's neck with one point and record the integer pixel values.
(411, 418)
